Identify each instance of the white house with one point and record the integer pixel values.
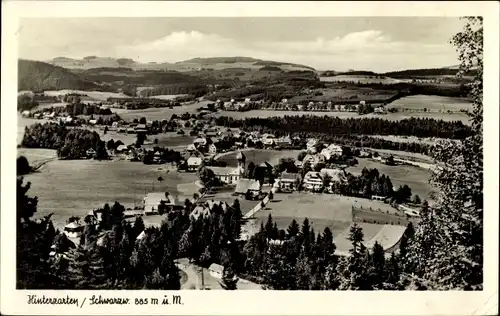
(312, 159)
(313, 181)
(331, 150)
(25, 113)
(335, 176)
(200, 141)
(216, 270)
(311, 145)
(212, 149)
(153, 199)
(194, 163)
(227, 175)
(269, 142)
(92, 122)
(73, 230)
(245, 186)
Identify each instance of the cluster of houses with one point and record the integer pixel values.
(234, 105)
(313, 181)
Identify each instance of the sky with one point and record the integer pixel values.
(325, 43)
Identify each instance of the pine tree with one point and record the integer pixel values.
(33, 244)
(455, 223)
(379, 266)
(229, 279)
(305, 235)
(269, 227)
(356, 277)
(293, 229)
(138, 227)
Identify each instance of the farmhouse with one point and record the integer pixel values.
(200, 141)
(312, 159)
(121, 149)
(200, 211)
(269, 142)
(73, 230)
(288, 182)
(90, 153)
(249, 187)
(92, 122)
(216, 270)
(313, 181)
(335, 176)
(331, 151)
(153, 199)
(212, 149)
(194, 163)
(283, 141)
(311, 145)
(25, 113)
(141, 128)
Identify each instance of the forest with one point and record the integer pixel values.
(69, 143)
(419, 127)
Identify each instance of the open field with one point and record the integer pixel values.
(416, 178)
(159, 113)
(361, 79)
(432, 103)
(91, 95)
(404, 155)
(410, 139)
(323, 210)
(326, 210)
(337, 94)
(37, 156)
(258, 156)
(74, 187)
(390, 116)
(167, 96)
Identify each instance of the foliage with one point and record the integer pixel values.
(447, 249)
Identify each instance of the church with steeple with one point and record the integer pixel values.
(231, 175)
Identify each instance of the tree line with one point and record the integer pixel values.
(70, 143)
(419, 127)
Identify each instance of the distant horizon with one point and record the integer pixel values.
(180, 61)
(378, 44)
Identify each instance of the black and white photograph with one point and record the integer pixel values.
(340, 153)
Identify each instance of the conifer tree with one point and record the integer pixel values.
(229, 279)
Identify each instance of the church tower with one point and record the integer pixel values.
(241, 162)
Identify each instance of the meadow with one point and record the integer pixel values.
(75, 187)
(361, 79)
(90, 95)
(431, 103)
(322, 210)
(416, 178)
(389, 116)
(159, 114)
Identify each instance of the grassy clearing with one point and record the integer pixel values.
(258, 156)
(409, 139)
(361, 79)
(416, 178)
(390, 116)
(36, 156)
(432, 102)
(92, 95)
(74, 187)
(159, 113)
(323, 210)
